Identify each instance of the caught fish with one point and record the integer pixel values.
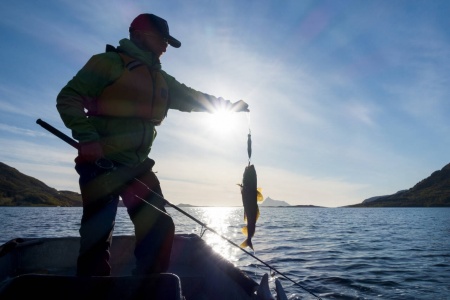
(250, 197)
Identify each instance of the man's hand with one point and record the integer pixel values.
(90, 151)
(239, 106)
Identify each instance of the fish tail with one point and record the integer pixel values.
(248, 240)
(247, 243)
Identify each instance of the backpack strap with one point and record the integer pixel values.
(130, 64)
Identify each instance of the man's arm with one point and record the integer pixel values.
(187, 99)
(86, 85)
(75, 98)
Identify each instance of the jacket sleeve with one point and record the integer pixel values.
(73, 100)
(187, 99)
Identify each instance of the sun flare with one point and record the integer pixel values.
(222, 121)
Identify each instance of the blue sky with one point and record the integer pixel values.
(348, 99)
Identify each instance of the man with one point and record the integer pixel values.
(112, 106)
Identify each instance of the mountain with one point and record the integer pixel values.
(17, 189)
(270, 202)
(433, 191)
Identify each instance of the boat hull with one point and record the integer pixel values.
(195, 269)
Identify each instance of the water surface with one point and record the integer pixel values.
(335, 253)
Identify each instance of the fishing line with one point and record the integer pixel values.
(249, 152)
(75, 144)
(249, 139)
(248, 119)
(223, 237)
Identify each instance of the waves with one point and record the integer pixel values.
(351, 253)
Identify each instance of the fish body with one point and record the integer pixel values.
(250, 197)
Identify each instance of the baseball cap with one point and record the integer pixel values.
(152, 22)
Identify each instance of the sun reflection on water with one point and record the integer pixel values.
(226, 221)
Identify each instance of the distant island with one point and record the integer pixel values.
(185, 205)
(17, 189)
(269, 202)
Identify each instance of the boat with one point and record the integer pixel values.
(46, 267)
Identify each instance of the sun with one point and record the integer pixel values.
(222, 121)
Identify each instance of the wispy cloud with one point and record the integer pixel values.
(345, 100)
(19, 131)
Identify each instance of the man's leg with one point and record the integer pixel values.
(154, 228)
(97, 223)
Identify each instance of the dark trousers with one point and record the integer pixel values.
(141, 193)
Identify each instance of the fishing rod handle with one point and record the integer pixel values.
(58, 133)
(102, 163)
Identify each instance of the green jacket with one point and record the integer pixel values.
(125, 140)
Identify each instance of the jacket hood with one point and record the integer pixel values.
(147, 57)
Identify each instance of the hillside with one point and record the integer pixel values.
(17, 189)
(433, 191)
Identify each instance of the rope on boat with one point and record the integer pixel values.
(228, 240)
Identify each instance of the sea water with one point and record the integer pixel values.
(332, 253)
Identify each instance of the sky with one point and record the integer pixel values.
(348, 99)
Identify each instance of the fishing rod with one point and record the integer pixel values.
(102, 163)
(226, 239)
(105, 163)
